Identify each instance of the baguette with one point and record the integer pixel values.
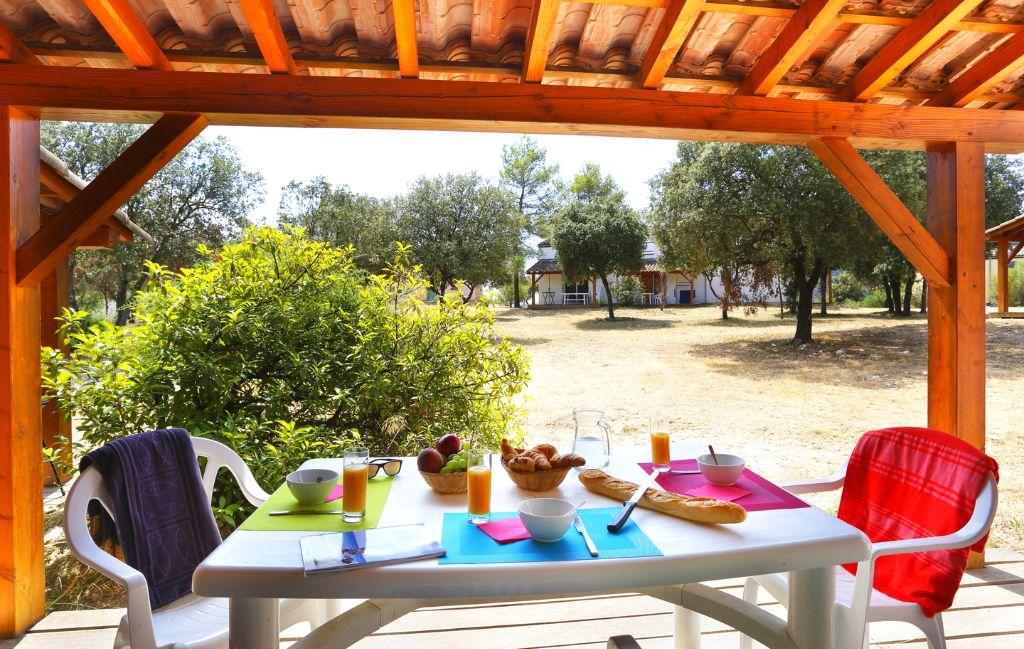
(699, 510)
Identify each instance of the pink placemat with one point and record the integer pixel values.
(763, 494)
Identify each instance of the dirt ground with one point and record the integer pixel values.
(794, 412)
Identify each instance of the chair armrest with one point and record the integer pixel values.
(830, 483)
(218, 455)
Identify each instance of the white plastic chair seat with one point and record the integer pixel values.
(881, 605)
(194, 622)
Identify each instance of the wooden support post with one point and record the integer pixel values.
(22, 582)
(1003, 277)
(55, 295)
(956, 313)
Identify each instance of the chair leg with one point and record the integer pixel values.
(750, 588)
(934, 632)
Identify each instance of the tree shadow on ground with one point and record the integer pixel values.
(873, 356)
(737, 319)
(622, 323)
(527, 341)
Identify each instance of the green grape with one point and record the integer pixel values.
(445, 470)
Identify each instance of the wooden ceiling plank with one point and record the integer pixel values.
(92, 206)
(266, 29)
(130, 33)
(885, 208)
(680, 17)
(813, 21)
(937, 19)
(406, 38)
(982, 75)
(538, 42)
(13, 50)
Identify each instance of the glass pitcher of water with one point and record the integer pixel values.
(593, 438)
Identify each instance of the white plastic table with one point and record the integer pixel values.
(254, 569)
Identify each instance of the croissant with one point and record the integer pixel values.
(522, 463)
(541, 462)
(547, 450)
(508, 451)
(567, 461)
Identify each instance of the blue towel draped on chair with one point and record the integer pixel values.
(163, 518)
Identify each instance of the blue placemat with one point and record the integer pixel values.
(467, 544)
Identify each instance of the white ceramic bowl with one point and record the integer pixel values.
(546, 519)
(311, 486)
(725, 473)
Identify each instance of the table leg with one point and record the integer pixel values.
(254, 623)
(687, 631)
(812, 596)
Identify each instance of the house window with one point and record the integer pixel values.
(576, 288)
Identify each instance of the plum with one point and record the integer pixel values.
(450, 444)
(430, 460)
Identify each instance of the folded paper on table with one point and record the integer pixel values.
(336, 493)
(505, 530)
(763, 494)
(725, 494)
(376, 496)
(467, 544)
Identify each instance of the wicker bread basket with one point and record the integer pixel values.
(446, 483)
(537, 480)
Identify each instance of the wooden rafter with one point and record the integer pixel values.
(812, 22)
(405, 38)
(266, 29)
(244, 99)
(130, 33)
(984, 74)
(1016, 250)
(108, 191)
(937, 19)
(674, 29)
(56, 182)
(538, 42)
(12, 49)
(884, 208)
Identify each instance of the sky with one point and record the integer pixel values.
(385, 163)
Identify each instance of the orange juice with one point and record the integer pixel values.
(353, 499)
(478, 482)
(660, 455)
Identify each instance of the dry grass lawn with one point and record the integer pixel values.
(793, 411)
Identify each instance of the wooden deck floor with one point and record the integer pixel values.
(988, 612)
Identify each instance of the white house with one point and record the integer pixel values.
(550, 288)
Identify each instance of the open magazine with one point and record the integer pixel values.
(376, 547)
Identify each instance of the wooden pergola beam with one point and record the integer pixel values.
(280, 100)
(673, 30)
(980, 77)
(885, 209)
(538, 41)
(40, 254)
(12, 49)
(812, 22)
(937, 19)
(405, 38)
(1003, 278)
(266, 29)
(130, 33)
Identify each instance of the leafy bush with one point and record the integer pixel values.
(848, 289)
(1016, 285)
(628, 290)
(281, 348)
(873, 300)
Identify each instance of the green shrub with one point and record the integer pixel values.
(628, 290)
(281, 348)
(1016, 285)
(848, 289)
(874, 300)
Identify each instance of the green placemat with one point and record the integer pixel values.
(260, 521)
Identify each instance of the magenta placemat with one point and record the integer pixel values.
(763, 494)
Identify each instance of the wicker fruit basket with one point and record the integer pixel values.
(537, 480)
(446, 483)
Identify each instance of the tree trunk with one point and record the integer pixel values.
(888, 294)
(924, 296)
(897, 299)
(908, 294)
(726, 292)
(121, 303)
(823, 289)
(608, 295)
(515, 291)
(804, 298)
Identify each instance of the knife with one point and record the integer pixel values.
(586, 537)
(627, 507)
(302, 512)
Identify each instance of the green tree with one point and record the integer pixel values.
(341, 217)
(598, 233)
(281, 348)
(527, 176)
(461, 229)
(203, 196)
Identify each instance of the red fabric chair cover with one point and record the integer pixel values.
(907, 483)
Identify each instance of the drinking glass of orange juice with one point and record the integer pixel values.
(478, 483)
(661, 456)
(355, 476)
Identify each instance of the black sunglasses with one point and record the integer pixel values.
(390, 465)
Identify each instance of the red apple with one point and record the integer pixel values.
(450, 444)
(430, 460)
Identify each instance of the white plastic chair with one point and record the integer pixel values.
(191, 622)
(857, 602)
